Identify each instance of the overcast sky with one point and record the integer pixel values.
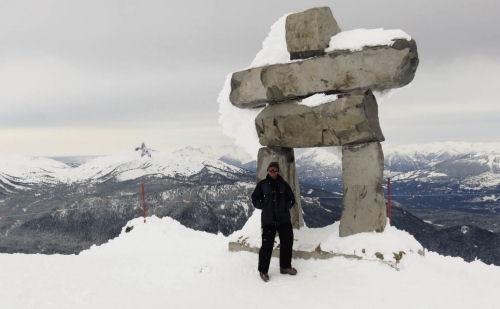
(97, 77)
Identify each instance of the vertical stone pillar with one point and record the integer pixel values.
(363, 206)
(286, 159)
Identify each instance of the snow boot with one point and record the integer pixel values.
(264, 276)
(288, 271)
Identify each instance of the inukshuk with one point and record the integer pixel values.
(351, 120)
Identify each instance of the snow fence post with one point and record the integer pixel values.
(143, 204)
(389, 198)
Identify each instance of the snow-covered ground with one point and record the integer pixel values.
(162, 264)
(363, 245)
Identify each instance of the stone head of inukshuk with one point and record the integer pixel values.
(350, 120)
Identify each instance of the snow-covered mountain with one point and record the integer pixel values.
(448, 184)
(142, 161)
(21, 173)
(466, 166)
(230, 152)
(48, 206)
(476, 165)
(65, 209)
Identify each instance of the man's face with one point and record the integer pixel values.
(273, 172)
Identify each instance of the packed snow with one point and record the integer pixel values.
(274, 48)
(364, 244)
(162, 264)
(238, 123)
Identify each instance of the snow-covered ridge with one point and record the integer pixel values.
(443, 147)
(15, 168)
(487, 153)
(323, 156)
(126, 165)
(212, 152)
(17, 172)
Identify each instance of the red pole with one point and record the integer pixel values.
(143, 204)
(389, 198)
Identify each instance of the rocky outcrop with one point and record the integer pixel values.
(352, 118)
(363, 205)
(286, 160)
(373, 67)
(308, 33)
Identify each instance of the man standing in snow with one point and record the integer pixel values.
(275, 197)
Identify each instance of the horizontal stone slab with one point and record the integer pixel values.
(351, 119)
(373, 67)
(308, 33)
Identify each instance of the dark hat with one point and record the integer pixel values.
(274, 164)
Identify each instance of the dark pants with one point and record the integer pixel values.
(285, 232)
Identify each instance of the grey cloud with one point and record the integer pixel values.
(190, 46)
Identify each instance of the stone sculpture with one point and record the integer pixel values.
(350, 121)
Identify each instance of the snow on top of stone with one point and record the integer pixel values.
(318, 99)
(358, 38)
(274, 48)
(237, 123)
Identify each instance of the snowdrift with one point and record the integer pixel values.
(162, 264)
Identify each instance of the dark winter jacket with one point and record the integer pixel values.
(275, 198)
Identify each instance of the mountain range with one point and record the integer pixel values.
(446, 184)
(68, 204)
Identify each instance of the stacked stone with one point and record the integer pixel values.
(350, 121)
